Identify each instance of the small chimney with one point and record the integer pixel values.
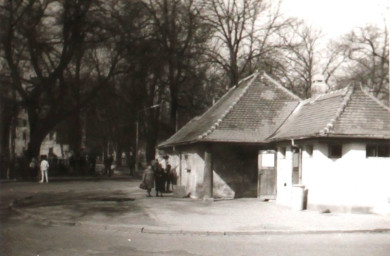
(318, 85)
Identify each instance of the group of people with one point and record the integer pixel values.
(43, 167)
(155, 176)
(162, 179)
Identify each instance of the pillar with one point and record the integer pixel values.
(208, 174)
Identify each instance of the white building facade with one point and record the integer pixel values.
(261, 140)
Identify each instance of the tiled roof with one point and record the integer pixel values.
(249, 112)
(350, 112)
(259, 110)
(363, 116)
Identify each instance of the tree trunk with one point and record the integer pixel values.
(34, 146)
(75, 132)
(119, 155)
(38, 131)
(174, 106)
(152, 135)
(150, 151)
(6, 119)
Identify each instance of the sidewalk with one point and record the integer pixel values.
(249, 216)
(120, 205)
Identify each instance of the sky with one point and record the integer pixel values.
(337, 17)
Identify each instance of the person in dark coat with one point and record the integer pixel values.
(107, 165)
(168, 178)
(148, 179)
(34, 168)
(159, 177)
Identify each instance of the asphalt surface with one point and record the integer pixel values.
(119, 204)
(101, 216)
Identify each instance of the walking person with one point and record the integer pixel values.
(33, 168)
(107, 165)
(148, 180)
(131, 161)
(44, 170)
(158, 177)
(168, 178)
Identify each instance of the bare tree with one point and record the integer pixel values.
(179, 31)
(301, 53)
(332, 61)
(367, 51)
(45, 48)
(243, 32)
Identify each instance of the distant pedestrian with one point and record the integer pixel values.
(131, 161)
(148, 180)
(168, 178)
(33, 168)
(107, 165)
(173, 177)
(158, 177)
(44, 170)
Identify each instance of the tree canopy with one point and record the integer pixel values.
(108, 62)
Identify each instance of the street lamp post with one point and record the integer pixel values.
(137, 134)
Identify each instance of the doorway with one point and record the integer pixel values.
(266, 174)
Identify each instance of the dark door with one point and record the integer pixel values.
(267, 174)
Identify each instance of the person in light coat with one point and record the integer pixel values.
(44, 170)
(148, 179)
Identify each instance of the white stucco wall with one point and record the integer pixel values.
(352, 180)
(193, 181)
(284, 175)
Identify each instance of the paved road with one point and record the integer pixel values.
(25, 237)
(68, 205)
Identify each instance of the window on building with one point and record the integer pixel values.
(335, 150)
(377, 150)
(309, 150)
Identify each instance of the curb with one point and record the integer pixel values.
(153, 231)
(262, 232)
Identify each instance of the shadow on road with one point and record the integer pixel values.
(78, 205)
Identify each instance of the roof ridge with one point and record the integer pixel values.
(328, 94)
(247, 78)
(374, 98)
(340, 110)
(281, 86)
(219, 121)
